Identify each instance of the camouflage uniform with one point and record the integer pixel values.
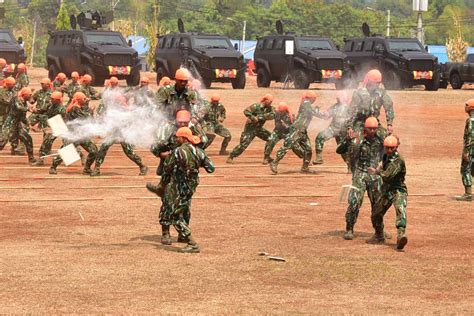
(171, 101)
(297, 138)
(253, 129)
(72, 88)
(367, 153)
(16, 126)
(339, 114)
(88, 145)
(90, 93)
(44, 110)
(212, 117)
(183, 169)
(6, 98)
(283, 122)
(394, 191)
(140, 95)
(467, 166)
(58, 86)
(22, 81)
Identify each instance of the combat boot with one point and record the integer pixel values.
(319, 159)
(165, 235)
(52, 170)
(95, 172)
(32, 160)
(191, 247)
(143, 170)
(230, 160)
(305, 168)
(223, 152)
(183, 239)
(349, 234)
(274, 167)
(466, 196)
(157, 189)
(39, 162)
(87, 171)
(267, 160)
(376, 239)
(402, 240)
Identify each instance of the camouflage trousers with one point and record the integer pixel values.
(3, 141)
(397, 198)
(47, 144)
(128, 149)
(467, 170)
(361, 182)
(299, 142)
(88, 146)
(248, 135)
(10, 132)
(220, 130)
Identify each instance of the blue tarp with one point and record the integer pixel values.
(440, 52)
(140, 44)
(249, 47)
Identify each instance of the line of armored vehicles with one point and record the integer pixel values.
(282, 57)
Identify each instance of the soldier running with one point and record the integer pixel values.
(7, 93)
(73, 86)
(394, 192)
(22, 79)
(257, 115)
(467, 160)
(212, 115)
(59, 83)
(283, 120)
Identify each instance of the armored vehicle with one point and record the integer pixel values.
(211, 58)
(11, 50)
(300, 59)
(99, 53)
(404, 62)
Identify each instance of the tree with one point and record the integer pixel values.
(62, 20)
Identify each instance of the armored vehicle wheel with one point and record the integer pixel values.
(434, 84)
(239, 82)
(134, 79)
(300, 78)
(52, 72)
(263, 79)
(443, 84)
(391, 80)
(207, 82)
(455, 81)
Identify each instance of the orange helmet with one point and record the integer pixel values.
(45, 81)
(390, 141)
(165, 81)
(469, 105)
(56, 95)
(215, 98)
(86, 79)
(183, 116)
(267, 97)
(10, 82)
(182, 74)
(74, 75)
(21, 67)
(3, 62)
(373, 75)
(283, 107)
(113, 81)
(371, 122)
(25, 93)
(80, 97)
(309, 95)
(188, 134)
(145, 79)
(61, 76)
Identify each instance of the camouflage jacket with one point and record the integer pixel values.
(89, 91)
(393, 173)
(22, 81)
(165, 139)
(339, 113)
(366, 153)
(18, 110)
(42, 99)
(58, 86)
(42, 119)
(72, 88)
(282, 122)
(261, 112)
(469, 135)
(6, 97)
(78, 113)
(213, 114)
(170, 101)
(365, 104)
(305, 115)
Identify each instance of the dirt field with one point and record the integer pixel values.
(103, 255)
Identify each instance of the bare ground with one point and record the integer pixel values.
(104, 256)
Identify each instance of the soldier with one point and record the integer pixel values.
(55, 107)
(88, 90)
(339, 114)
(367, 153)
(77, 110)
(297, 138)
(165, 81)
(467, 161)
(394, 191)
(3, 63)
(283, 120)
(127, 148)
(39, 117)
(367, 101)
(7, 93)
(18, 113)
(212, 115)
(257, 114)
(183, 168)
(59, 83)
(22, 79)
(73, 86)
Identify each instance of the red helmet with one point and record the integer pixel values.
(469, 105)
(390, 141)
(21, 67)
(86, 79)
(74, 75)
(113, 81)
(266, 98)
(80, 97)
(215, 98)
(56, 95)
(182, 74)
(10, 82)
(183, 116)
(371, 122)
(61, 76)
(25, 93)
(188, 134)
(373, 75)
(3, 62)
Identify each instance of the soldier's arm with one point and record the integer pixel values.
(270, 115)
(94, 94)
(351, 113)
(392, 170)
(388, 106)
(468, 135)
(222, 113)
(249, 112)
(207, 163)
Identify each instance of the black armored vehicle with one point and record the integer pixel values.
(11, 50)
(211, 58)
(300, 59)
(99, 53)
(403, 62)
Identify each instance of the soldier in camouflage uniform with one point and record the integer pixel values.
(394, 192)
(467, 160)
(257, 115)
(212, 115)
(54, 108)
(336, 129)
(77, 110)
(297, 138)
(3, 63)
(18, 112)
(283, 121)
(367, 153)
(142, 94)
(22, 79)
(73, 86)
(183, 169)
(59, 83)
(88, 90)
(127, 148)
(7, 94)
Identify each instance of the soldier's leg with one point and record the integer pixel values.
(245, 139)
(225, 133)
(100, 157)
(91, 149)
(3, 142)
(355, 199)
(269, 145)
(180, 224)
(307, 150)
(322, 137)
(467, 171)
(128, 149)
(45, 148)
(210, 139)
(25, 137)
(400, 204)
(263, 134)
(57, 160)
(380, 209)
(292, 137)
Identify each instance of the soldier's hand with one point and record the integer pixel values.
(164, 154)
(372, 170)
(254, 119)
(390, 129)
(466, 157)
(194, 121)
(351, 134)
